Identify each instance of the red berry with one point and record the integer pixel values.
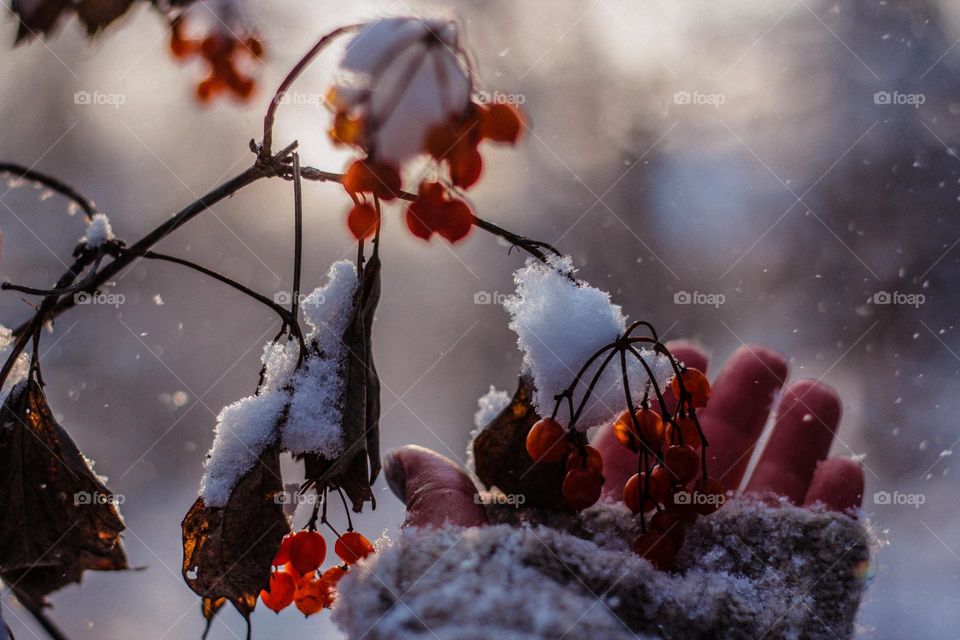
(307, 551)
(633, 490)
(581, 488)
(696, 385)
(688, 431)
(500, 122)
(425, 214)
(352, 546)
(466, 164)
(363, 221)
(650, 432)
(658, 548)
(593, 460)
(669, 524)
(546, 441)
(456, 220)
(682, 461)
(365, 176)
(280, 595)
(283, 553)
(311, 595)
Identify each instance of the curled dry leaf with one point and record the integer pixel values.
(57, 518)
(40, 17)
(227, 550)
(359, 464)
(501, 459)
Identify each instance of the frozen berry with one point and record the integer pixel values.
(352, 546)
(695, 384)
(546, 441)
(581, 488)
(307, 551)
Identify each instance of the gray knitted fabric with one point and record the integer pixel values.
(747, 571)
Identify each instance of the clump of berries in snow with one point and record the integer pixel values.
(405, 90)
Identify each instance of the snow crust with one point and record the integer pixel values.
(560, 324)
(490, 404)
(406, 75)
(98, 231)
(308, 400)
(21, 367)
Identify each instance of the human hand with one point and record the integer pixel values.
(793, 464)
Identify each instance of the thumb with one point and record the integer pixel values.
(435, 490)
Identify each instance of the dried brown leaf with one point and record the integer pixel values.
(501, 459)
(57, 518)
(227, 551)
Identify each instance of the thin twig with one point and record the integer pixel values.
(287, 82)
(86, 204)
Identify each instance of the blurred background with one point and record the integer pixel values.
(780, 172)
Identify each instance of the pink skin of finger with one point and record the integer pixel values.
(435, 490)
(808, 414)
(619, 462)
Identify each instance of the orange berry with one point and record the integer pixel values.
(633, 490)
(688, 431)
(581, 488)
(651, 430)
(456, 220)
(352, 546)
(363, 221)
(500, 122)
(307, 551)
(424, 215)
(709, 495)
(592, 461)
(280, 594)
(208, 88)
(682, 461)
(546, 441)
(311, 595)
(657, 548)
(364, 176)
(332, 575)
(346, 130)
(283, 553)
(696, 385)
(466, 164)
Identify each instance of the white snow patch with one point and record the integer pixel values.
(21, 367)
(559, 325)
(405, 74)
(312, 394)
(98, 231)
(490, 404)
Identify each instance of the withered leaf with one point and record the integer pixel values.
(501, 459)
(41, 18)
(57, 519)
(227, 551)
(358, 466)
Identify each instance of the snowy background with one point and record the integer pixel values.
(701, 151)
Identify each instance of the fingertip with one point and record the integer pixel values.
(433, 487)
(807, 418)
(838, 484)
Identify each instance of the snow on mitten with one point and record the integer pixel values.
(750, 570)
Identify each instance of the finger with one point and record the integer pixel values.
(838, 484)
(619, 463)
(435, 490)
(807, 418)
(738, 409)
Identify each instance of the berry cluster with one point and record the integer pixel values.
(671, 487)
(221, 49)
(296, 578)
(453, 146)
(671, 450)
